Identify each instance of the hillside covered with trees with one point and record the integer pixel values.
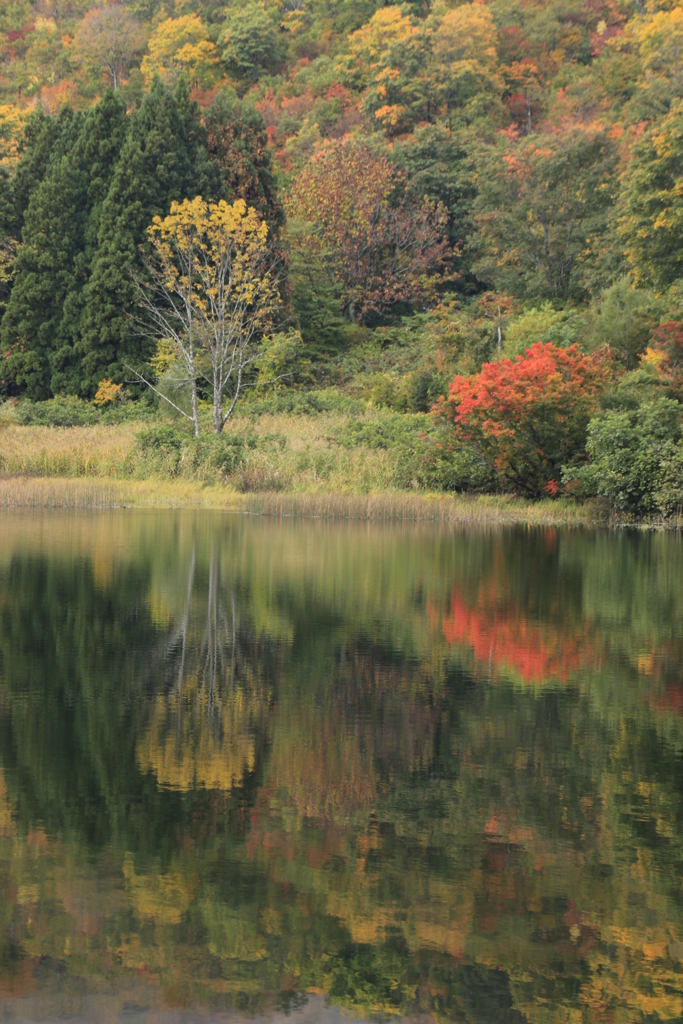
(474, 211)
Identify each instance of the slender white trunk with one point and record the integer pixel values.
(195, 417)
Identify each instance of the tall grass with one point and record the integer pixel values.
(413, 507)
(32, 492)
(96, 451)
(282, 452)
(288, 465)
(80, 493)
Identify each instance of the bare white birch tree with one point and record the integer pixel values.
(212, 293)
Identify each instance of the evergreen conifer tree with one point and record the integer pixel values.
(59, 238)
(51, 240)
(163, 159)
(92, 163)
(45, 140)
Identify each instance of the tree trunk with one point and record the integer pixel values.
(195, 417)
(217, 408)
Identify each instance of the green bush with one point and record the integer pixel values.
(424, 454)
(636, 459)
(165, 449)
(68, 411)
(424, 389)
(301, 403)
(670, 487)
(57, 412)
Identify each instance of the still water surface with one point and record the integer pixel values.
(254, 769)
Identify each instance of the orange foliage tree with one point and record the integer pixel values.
(666, 352)
(528, 416)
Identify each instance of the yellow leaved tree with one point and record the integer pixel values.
(463, 63)
(181, 46)
(211, 293)
(660, 43)
(385, 56)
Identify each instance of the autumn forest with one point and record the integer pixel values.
(454, 226)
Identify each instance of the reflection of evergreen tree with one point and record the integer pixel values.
(70, 651)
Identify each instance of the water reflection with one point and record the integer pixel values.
(263, 768)
(203, 720)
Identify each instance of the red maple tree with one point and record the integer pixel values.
(528, 416)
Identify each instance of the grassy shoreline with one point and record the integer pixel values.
(23, 491)
(292, 466)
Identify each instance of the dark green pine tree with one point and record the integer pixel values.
(163, 159)
(44, 142)
(93, 161)
(59, 241)
(51, 240)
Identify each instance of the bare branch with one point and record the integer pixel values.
(156, 391)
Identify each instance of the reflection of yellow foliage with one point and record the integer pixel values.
(102, 568)
(27, 894)
(162, 897)
(190, 744)
(160, 609)
(6, 819)
(645, 664)
(439, 917)
(618, 981)
(444, 938)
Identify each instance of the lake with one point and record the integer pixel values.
(261, 769)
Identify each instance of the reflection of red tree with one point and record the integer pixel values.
(670, 700)
(505, 638)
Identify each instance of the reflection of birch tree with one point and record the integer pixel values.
(203, 723)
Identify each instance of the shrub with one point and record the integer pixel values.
(527, 417)
(166, 450)
(670, 484)
(301, 403)
(57, 412)
(424, 456)
(424, 389)
(636, 459)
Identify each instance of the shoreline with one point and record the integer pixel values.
(26, 491)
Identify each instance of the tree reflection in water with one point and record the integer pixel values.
(201, 732)
(428, 773)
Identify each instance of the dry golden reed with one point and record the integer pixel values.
(79, 493)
